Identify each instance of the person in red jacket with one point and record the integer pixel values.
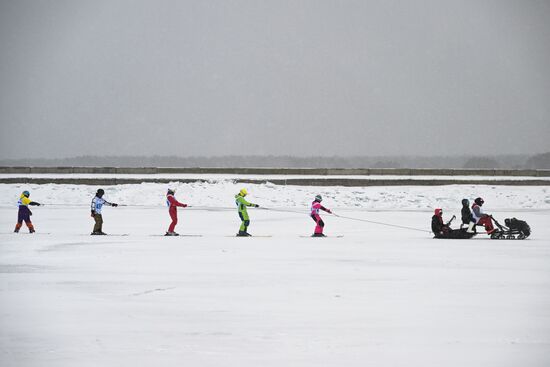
(173, 210)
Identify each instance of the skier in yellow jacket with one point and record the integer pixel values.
(25, 213)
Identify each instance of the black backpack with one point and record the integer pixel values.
(518, 225)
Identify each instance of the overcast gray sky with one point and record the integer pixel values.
(273, 77)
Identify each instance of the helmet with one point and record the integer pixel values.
(26, 193)
(465, 202)
(243, 192)
(318, 198)
(171, 192)
(100, 193)
(438, 212)
(479, 201)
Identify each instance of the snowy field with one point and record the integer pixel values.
(379, 296)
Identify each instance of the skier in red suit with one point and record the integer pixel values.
(172, 204)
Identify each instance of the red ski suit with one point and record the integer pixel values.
(482, 218)
(172, 209)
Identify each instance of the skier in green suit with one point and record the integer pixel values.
(243, 214)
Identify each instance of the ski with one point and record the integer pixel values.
(260, 236)
(26, 233)
(109, 235)
(179, 235)
(338, 236)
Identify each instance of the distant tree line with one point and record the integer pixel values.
(539, 161)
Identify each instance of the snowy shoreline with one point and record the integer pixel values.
(221, 194)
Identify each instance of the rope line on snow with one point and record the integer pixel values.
(382, 223)
(356, 219)
(221, 208)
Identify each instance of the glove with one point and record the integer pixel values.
(92, 215)
(184, 206)
(114, 204)
(256, 206)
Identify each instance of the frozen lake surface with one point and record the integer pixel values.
(380, 296)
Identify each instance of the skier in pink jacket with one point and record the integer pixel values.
(315, 207)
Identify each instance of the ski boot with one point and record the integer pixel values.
(243, 234)
(318, 235)
(172, 234)
(31, 230)
(98, 233)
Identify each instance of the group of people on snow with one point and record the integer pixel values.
(98, 202)
(471, 217)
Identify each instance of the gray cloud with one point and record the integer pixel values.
(275, 77)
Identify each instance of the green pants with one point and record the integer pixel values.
(98, 222)
(245, 221)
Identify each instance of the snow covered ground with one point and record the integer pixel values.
(380, 295)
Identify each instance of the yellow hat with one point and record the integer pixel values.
(243, 192)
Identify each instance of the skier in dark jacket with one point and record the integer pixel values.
(24, 213)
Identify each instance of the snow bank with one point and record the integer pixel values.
(221, 194)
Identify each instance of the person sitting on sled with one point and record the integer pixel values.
(480, 218)
(24, 213)
(242, 204)
(440, 228)
(173, 210)
(97, 204)
(319, 224)
(466, 213)
(443, 230)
